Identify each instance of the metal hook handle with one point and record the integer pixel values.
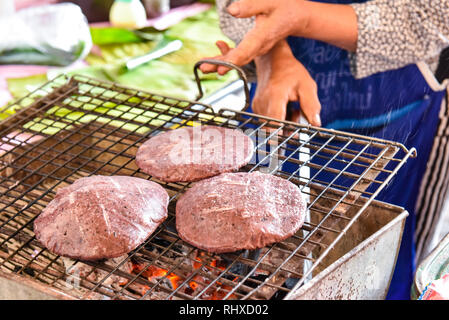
(239, 70)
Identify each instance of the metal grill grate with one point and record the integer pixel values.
(78, 127)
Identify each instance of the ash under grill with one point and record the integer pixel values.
(77, 127)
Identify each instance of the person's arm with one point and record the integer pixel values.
(335, 24)
(384, 34)
(276, 20)
(393, 34)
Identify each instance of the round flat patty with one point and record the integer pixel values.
(101, 217)
(194, 153)
(235, 211)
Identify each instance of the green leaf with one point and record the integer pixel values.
(112, 35)
(19, 87)
(171, 75)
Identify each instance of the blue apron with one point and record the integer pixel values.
(396, 105)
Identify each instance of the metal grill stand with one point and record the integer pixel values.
(77, 127)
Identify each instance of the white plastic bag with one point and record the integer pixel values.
(47, 35)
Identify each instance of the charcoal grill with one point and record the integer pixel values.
(73, 127)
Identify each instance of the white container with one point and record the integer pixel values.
(128, 14)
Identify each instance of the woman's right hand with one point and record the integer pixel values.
(276, 20)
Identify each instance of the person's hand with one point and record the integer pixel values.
(282, 78)
(276, 20)
(209, 68)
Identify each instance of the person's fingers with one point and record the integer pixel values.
(249, 8)
(276, 108)
(208, 68)
(224, 49)
(270, 102)
(222, 70)
(254, 44)
(258, 102)
(293, 115)
(310, 104)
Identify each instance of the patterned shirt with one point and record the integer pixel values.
(391, 34)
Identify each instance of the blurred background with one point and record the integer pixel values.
(151, 45)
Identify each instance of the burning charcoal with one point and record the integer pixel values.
(159, 244)
(240, 267)
(72, 267)
(94, 275)
(289, 284)
(127, 266)
(27, 271)
(138, 288)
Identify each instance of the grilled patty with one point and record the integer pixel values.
(101, 217)
(235, 211)
(194, 153)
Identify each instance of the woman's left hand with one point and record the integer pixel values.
(282, 78)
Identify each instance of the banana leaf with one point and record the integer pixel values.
(45, 55)
(171, 75)
(104, 36)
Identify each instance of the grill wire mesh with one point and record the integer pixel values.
(77, 127)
